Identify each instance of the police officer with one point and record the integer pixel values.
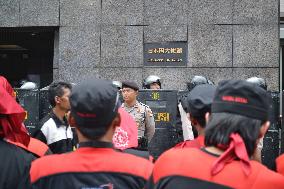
(152, 82)
(141, 113)
(15, 161)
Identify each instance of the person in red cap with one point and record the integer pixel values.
(6, 85)
(239, 119)
(199, 103)
(15, 161)
(95, 164)
(34, 146)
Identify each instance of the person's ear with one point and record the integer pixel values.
(57, 99)
(264, 129)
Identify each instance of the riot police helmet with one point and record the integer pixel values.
(258, 81)
(210, 82)
(118, 84)
(151, 79)
(29, 85)
(197, 80)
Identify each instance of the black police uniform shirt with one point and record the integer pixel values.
(92, 165)
(14, 166)
(55, 133)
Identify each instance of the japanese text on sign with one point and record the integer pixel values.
(165, 51)
(165, 54)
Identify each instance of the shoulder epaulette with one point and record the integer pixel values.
(144, 105)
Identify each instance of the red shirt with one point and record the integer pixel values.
(95, 165)
(35, 146)
(191, 168)
(280, 164)
(196, 143)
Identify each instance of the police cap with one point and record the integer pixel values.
(130, 84)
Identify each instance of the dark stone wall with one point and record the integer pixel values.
(226, 38)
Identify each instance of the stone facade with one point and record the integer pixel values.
(226, 38)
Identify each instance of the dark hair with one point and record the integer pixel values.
(200, 119)
(56, 89)
(222, 125)
(94, 133)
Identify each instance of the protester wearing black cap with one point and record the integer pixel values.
(141, 113)
(183, 124)
(199, 103)
(15, 160)
(95, 114)
(238, 120)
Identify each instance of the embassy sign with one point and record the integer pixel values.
(168, 54)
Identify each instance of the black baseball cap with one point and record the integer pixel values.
(130, 84)
(94, 104)
(200, 99)
(242, 98)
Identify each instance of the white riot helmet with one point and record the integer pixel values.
(29, 85)
(258, 81)
(118, 84)
(150, 80)
(197, 80)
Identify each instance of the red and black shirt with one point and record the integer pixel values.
(93, 165)
(14, 166)
(191, 168)
(196, 143)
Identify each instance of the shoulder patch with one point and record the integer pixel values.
(144, 105)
